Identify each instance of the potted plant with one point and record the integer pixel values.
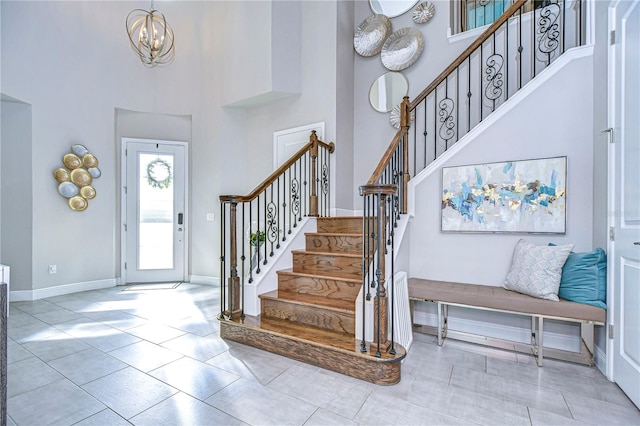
(256, 239)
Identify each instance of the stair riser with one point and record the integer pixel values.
(333, 289)
(340, 225)
(334, 244)
(310, 315)
(336, 266)
(368, 368)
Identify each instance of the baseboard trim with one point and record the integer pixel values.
(516, 334)
(60, 290)
(600, 358)
(205, 280)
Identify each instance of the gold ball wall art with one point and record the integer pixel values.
(76, 176)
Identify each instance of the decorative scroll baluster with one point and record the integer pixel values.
(548, 32)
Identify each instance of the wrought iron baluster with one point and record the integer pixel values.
(424, 133)
(580, 21)
(506, 54)
(520, 48)
(480, 70)
(469, 95)
(223, 272)
(266, 224)
(457, 102)
(242, 232)
(564, 14)
(258, 234)
(271, 212)
(304, 174)
(251, 265)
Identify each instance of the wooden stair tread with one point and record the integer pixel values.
(336, 305)
(328, 253)
(289, 271)
(333, 234)
(320, 336)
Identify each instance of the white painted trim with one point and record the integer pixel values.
(345, 212)
(498, 114)
(43, 293)
(201, 279)
(600, 358)
(500, 331)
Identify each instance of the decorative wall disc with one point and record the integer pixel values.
(88, 192)
(81, 177)
(371, 34)
(424, 12)
(95, 172)
(68, 189)
(61, 174)
(72, 161)
(88, 160)
(78, 203)
(79, 150)
(402, 49)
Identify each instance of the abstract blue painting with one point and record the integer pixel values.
(527, 196)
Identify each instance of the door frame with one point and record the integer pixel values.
(123, 201)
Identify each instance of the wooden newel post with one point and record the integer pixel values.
(313, 196)
(380, 301)
(405, 119)
(234, 279)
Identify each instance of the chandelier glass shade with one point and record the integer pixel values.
(150, 36)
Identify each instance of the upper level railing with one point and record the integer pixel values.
(253, 226)
(521, 43)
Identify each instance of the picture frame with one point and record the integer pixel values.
(523, 196)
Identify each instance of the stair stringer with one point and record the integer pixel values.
(267, 279)
(543, 77)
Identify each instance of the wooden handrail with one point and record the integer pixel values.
(463, 56)
(387, 156)
(279, 171)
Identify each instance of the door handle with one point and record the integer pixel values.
(637, 243)
(179, 218)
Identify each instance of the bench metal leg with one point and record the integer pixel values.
(536, 339)
(443, 314)
(587, 335)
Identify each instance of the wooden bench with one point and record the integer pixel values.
(498, 299)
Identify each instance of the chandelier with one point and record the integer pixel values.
(150, 36)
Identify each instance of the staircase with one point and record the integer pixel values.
(311, 316)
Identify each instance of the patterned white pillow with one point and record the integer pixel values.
(536, 270)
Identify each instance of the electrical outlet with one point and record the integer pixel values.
(210, 217)
(53, 269)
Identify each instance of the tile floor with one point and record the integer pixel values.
(116, 357)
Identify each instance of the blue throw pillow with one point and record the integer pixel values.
(584, 278)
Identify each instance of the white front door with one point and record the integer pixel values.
(624, 251)
(154, 216)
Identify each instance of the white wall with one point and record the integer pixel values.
(88, 71)
(15, 197)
